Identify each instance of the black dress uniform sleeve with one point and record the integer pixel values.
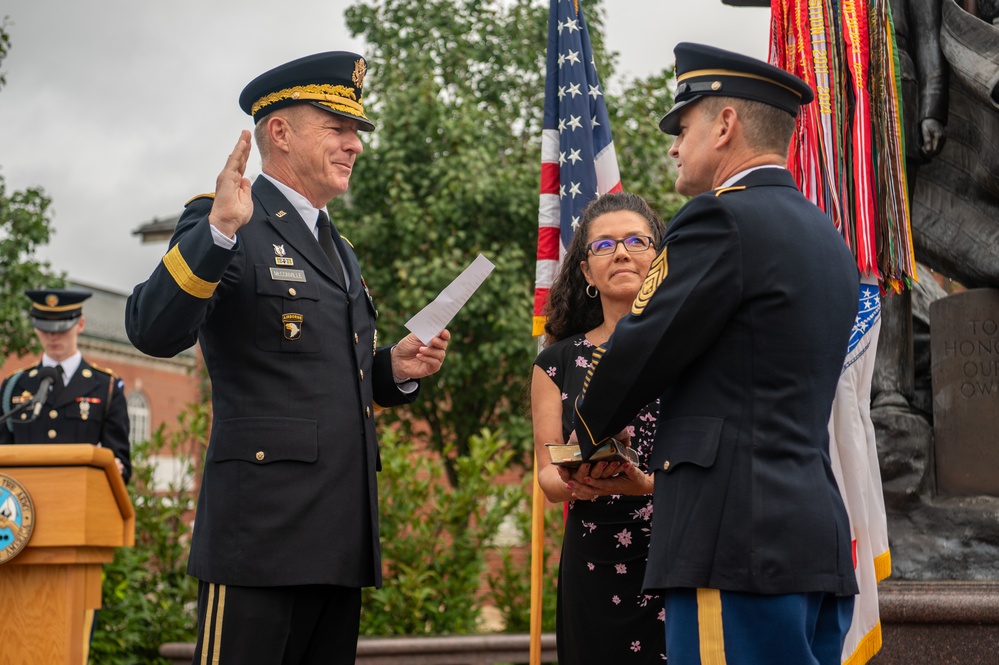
(164, 313)
(386, 391)
(693, 287)
(6, 436)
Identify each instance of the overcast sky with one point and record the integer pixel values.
(122, 110)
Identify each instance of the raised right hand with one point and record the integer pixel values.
(233, 204)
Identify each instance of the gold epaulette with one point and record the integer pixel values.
(206, 195)
(105, 370)
(344, 238)
(719, 192)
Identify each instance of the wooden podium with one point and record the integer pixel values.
(49, 591)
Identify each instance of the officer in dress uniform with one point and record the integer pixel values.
(286, 532)
(740, 330)
(86, 403)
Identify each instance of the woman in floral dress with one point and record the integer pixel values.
(603, 616)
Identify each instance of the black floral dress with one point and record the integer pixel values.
(603, 616)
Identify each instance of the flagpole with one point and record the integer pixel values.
(571, 161)
(537, 565)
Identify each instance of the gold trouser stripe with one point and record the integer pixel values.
(709, 627)
(213, 618)
(208, 624)
(219, 615)
(185, 277)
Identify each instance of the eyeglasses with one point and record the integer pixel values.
(606, 246)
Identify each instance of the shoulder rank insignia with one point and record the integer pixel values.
(105, 370)
(206, 195)
(657, 273)
(16, 371)
(723, 190)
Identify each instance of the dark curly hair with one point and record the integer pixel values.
(569, 311)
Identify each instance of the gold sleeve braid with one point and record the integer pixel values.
(657, 273)
(186, 279)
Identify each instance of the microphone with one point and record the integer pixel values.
(49, 376)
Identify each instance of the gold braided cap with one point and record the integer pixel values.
(336, 97)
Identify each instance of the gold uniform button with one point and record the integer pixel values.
(52, 434)
(260, 456)
(367, 411)
(666, 465)
(361, 372)
(292, 292)
(53, 414)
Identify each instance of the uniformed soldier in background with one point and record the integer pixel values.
(86, 403)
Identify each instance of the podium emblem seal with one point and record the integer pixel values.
(17, 518)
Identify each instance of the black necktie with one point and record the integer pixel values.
(60, 382)
(325, 228)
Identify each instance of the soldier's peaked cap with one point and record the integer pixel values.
(56, 310)
(703, 70)
(332, 81)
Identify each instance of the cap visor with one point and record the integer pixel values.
(54, 325)
(364, 124)
(671, 121)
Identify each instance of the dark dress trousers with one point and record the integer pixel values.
(741, 330)
(289, 494)
(91, 408)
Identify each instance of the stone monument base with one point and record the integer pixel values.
(939, 622)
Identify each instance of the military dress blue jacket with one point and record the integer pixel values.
(289, 493)
(741, 330)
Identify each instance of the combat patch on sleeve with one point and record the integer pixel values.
(657, 273)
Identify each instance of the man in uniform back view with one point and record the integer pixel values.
(741, 329)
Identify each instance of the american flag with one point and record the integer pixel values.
(578, 162)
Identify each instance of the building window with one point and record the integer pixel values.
(138, 417)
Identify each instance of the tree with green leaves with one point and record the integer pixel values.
(25, 225)
(452, 171)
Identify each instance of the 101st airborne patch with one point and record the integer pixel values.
(657, 273)
(292, 325)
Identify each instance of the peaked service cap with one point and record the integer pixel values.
(703, 70)
(331, 81)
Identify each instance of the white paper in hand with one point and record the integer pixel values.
(434, 318)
